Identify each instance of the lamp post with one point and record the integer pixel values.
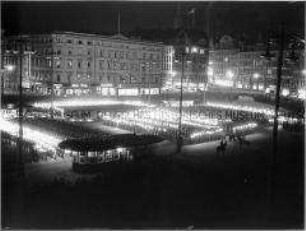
(19, 55)
(182, 56)
(52, 58)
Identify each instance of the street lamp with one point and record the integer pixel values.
(230, 74)
(255, 75)
(9, 68)
(52, 58)
(23, 50)
(182, 56)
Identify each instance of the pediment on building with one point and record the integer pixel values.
(119, 36)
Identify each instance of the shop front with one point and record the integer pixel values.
(106, 89)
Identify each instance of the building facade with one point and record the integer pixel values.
(193, 68)
(253, 69)
(76, 64)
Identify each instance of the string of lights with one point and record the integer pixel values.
(60, 104)
(41, 140)
(255, 108)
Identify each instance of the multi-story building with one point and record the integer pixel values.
(77, 63)
(252, 68)
(195, 64)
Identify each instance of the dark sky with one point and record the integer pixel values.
(101, 16)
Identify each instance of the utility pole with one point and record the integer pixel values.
(182, 54)
(180, 139)
(20, 138)
(207, 29)
(278, 86)
(52, 72)
(273, 160)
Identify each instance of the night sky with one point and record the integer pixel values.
(101, 16)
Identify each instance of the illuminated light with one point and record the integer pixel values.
(173, 73)
(267, 90)
(90, 102)
(239, 85)
(304, 72)
(240, 106)
(210, 71)
(128, 91)
(162, 119)
(244, 127)
(194, 50)
(256, 75)
(119, 149)
(302, 94)
(39, 138)
(10, 106)
(210, 63)
(254, 87)
(224, 83)
(229, 74)
(208, 132)
(9, 67)
(285, 92)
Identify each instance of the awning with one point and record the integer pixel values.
(105, 143)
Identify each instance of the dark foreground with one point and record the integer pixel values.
(159, 191)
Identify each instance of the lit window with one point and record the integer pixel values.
(69, 63)
(194, 50)
(58, 64)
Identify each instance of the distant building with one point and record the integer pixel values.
(249, 68)
(77, 63)
(195, 64)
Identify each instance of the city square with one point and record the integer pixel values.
(192, 121)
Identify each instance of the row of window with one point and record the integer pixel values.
(114, 54)
(108, 65)
(96, 43)
(125, 79)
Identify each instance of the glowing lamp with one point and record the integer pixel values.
(9, 67)
(210, 71)
(194, 50)
(285, 92)
(256, 75)
(230, 74)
